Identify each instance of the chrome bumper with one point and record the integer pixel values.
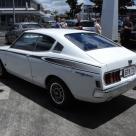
(106, 95)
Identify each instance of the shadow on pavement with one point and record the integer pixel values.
(84, 114)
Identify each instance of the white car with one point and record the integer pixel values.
(71, 64)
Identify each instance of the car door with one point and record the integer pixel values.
(41, 68)
(18, 56)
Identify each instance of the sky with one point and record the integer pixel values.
(59, 5)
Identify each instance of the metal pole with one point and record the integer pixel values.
(109, 19)
(14, 16)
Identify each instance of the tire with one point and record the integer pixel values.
(60, 95)
(2, 70)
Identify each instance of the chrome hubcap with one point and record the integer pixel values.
(57, 93)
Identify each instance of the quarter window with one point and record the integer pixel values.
(26, 42)
(44, 43)
(58, 47)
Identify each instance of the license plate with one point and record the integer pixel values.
(129, 71)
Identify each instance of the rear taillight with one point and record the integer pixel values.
(112, 77)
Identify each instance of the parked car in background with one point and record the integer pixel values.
(132, 41)
(87, 25)
(48, 24)
(71, 23)
(47, 21)
(133, 35)
(71, 64)
(17, 29)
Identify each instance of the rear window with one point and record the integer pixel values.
(31, 26)
(90, 41)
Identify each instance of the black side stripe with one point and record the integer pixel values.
(15, 52)
(38, 57)
(69, 64)
(62, 62)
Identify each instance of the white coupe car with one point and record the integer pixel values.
(71, 64)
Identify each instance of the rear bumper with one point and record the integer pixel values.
(106, 95)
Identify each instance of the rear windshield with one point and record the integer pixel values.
(90, 41)
(31, 26)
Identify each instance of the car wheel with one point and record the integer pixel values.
(2, 70)
(59, 93)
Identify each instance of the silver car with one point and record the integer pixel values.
(17, 29)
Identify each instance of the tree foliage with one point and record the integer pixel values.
(74, 7)
(122, 4)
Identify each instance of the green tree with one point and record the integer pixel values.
(122, 4)
(74, 7)
(98, 5)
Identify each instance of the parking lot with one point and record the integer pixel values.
(25, 110)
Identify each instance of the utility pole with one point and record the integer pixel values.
(26, 5)
(109, 19)
(14, 16)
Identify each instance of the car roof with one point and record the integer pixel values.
(25, 23)
(87, 21)
(74, 20)
(53, 32)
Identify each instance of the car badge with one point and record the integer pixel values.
(129, 62)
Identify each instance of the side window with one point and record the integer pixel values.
(26, 42)
(58, 47)
(44, 43)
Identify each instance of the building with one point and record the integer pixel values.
(25, 10)
(87, 9)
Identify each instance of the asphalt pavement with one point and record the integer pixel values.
(25, 110)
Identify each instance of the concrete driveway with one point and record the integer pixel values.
(25, 110)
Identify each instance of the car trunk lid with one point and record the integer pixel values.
(113, 58)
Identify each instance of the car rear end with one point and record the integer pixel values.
(88, 25)
(118, 74)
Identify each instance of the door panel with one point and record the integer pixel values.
(18, 64)
(40, 68)
(18, 56)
